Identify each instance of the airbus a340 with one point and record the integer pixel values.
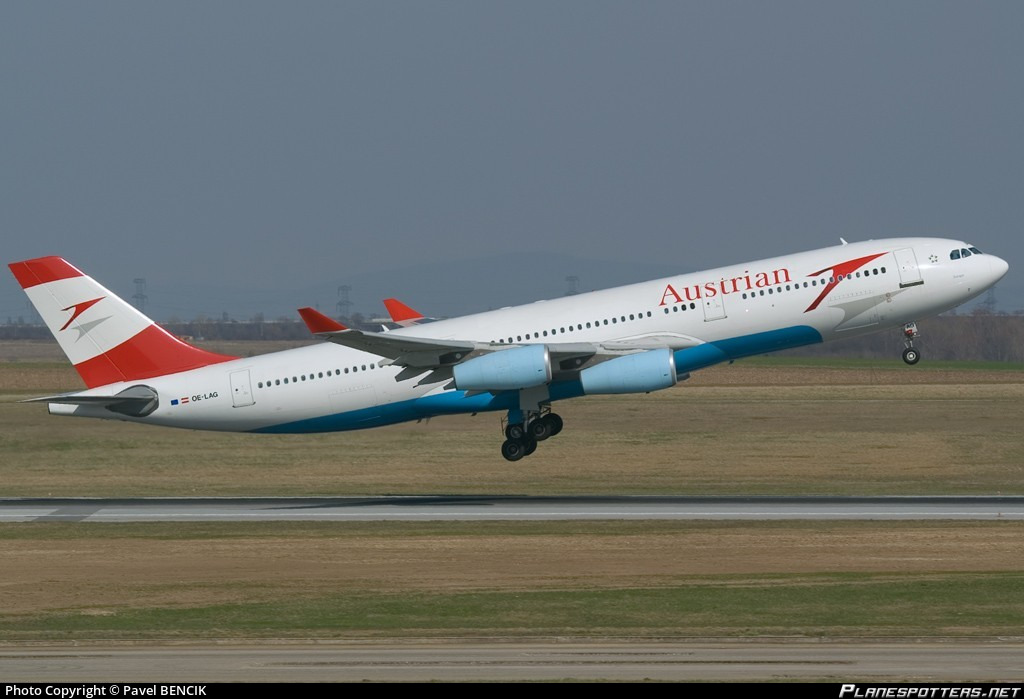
(630, 339)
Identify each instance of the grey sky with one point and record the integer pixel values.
(267, 152)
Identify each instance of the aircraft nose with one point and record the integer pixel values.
(998, 266)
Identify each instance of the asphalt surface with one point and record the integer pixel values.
(474, 661)
(487, 507)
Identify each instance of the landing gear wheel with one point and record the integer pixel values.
(540, 429)
(515, 431)
(555, 422)
(514, 449)
(530, 446)
(911, 356)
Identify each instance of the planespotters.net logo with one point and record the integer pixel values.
(882, 691)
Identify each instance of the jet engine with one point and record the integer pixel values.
(642, 372)
(507, 370)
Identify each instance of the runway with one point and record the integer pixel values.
(444, 660)
(511, 507)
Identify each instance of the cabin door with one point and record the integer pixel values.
(241, 389)
(714, 308)
(906, 263)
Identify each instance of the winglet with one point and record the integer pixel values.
(400, 313)
(317, 322)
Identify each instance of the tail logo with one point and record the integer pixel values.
(77, 310)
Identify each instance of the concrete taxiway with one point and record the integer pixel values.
(525, 508)
(474, 661)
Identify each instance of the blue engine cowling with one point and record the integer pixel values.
(508, 370)
(642, 372)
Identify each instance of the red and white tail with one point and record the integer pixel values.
(106, 339)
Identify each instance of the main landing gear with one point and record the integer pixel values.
(910, 333)
(521, 437)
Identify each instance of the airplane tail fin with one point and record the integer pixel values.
(107, 339)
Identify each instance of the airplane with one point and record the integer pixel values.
(637, 338)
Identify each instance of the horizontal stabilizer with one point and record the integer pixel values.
(137, 401)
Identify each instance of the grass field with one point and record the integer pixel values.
(492, 580)
(772, 426)
(765, 426)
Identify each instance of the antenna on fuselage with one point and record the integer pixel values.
(843, 241)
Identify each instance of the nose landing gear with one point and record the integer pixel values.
(910, 333)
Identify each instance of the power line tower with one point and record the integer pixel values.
(139, 297)
(989, 304)
(574, 285)
(344, 304)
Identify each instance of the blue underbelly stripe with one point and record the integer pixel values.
(457, 402)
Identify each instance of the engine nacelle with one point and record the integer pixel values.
(507, 370)
(642, 372)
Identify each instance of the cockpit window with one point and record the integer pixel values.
(964, 252)
(975, 250)
(955, 255)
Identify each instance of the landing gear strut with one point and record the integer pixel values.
(910, 333)
(521, 438)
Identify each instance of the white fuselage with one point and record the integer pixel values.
(705, 317)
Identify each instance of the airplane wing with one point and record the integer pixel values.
(419, 354)
(402, 350)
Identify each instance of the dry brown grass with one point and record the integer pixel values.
(244, 563)
(733, 429)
